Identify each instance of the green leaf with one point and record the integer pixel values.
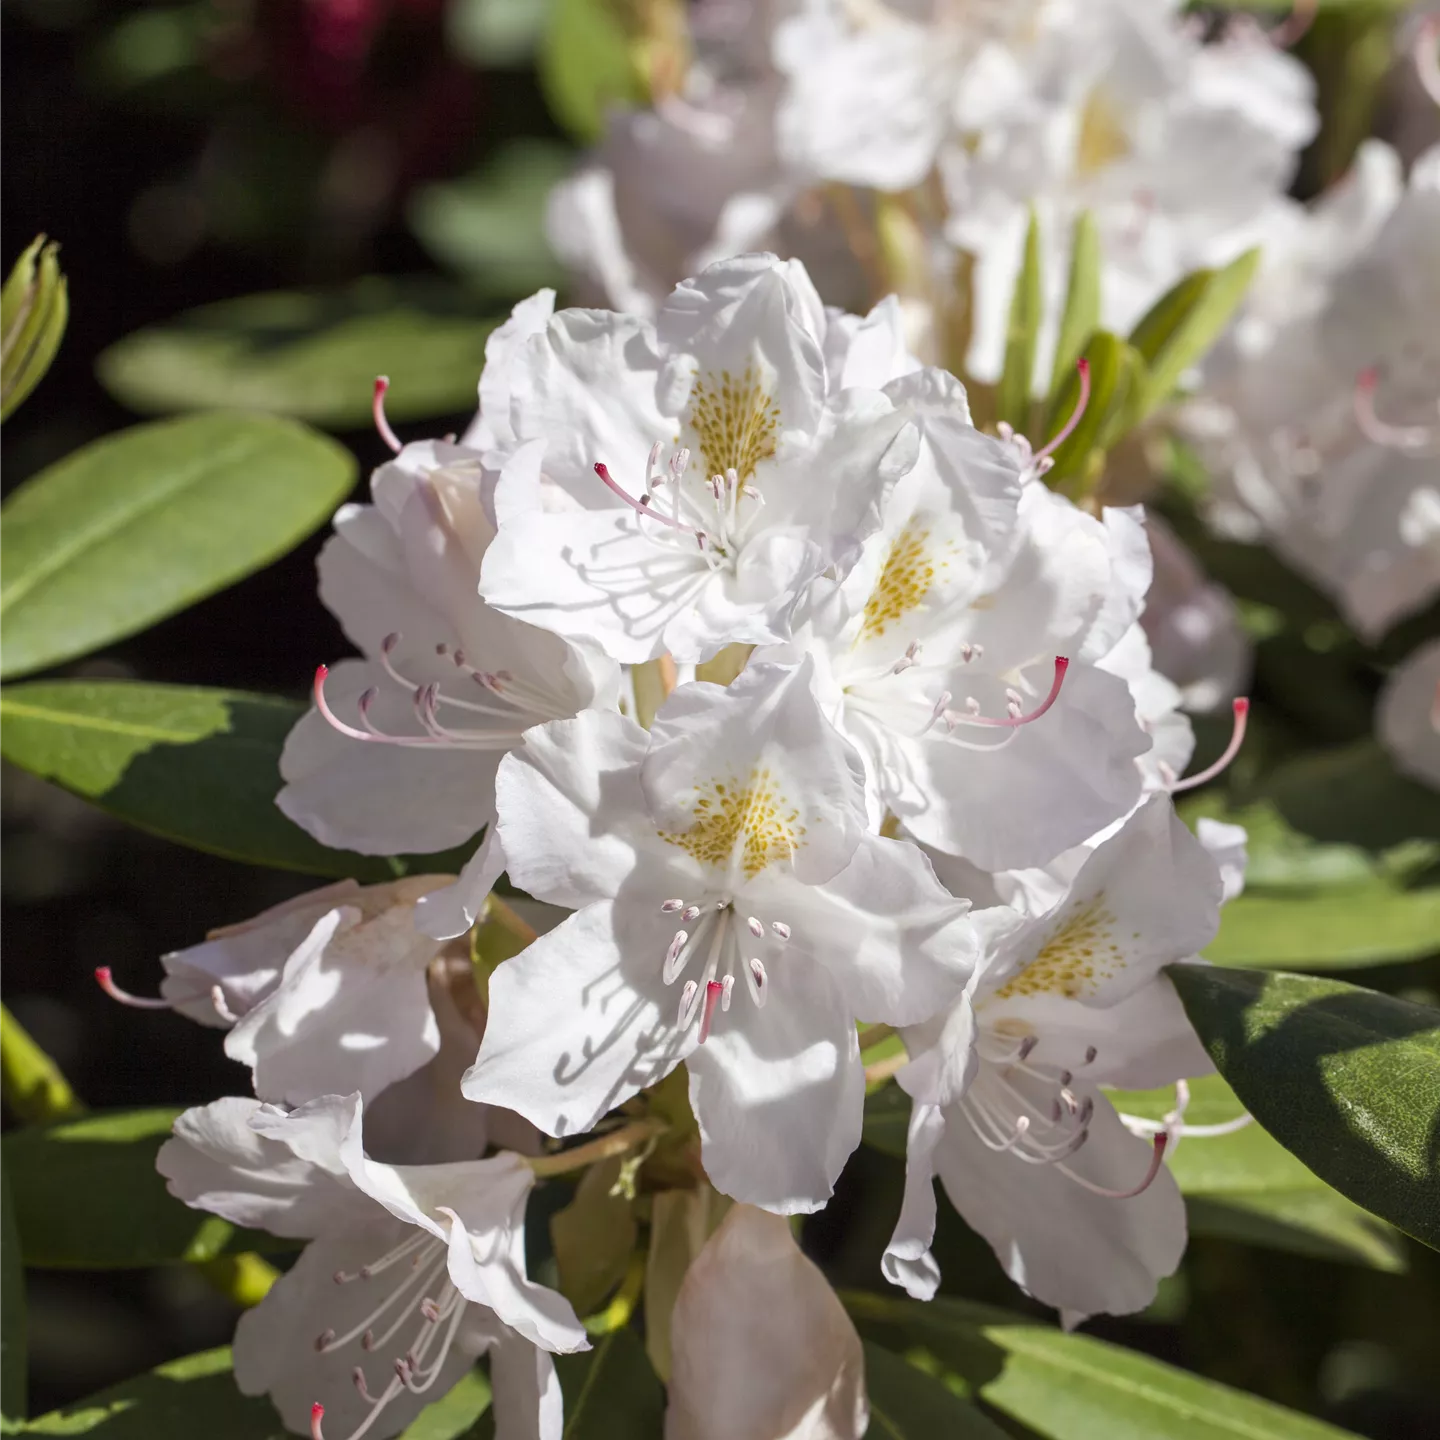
(141, 524)
(454, 1414)
(1181, 326)
(1071, 1387)
(1081, 316)
(908, 1404)
(193, 1396)
(31, 1082)
(197, 766)
(611, 1393)
(586, 64)
(57, 1171)
(34, 306)
(1344, 1078)
(1247, 1186)
(887, 1119)
(1027, 302)
(490, 226)
(1375, 924)
(592, 1238)
(13, 1360)
(1114, 373)
(311, 354)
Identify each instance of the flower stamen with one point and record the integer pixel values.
(1241, 710)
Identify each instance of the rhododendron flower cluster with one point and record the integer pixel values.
(808, 709)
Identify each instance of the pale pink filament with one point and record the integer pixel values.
(1157, 1158)
(1241, 711)
(643, 507)
(1408, 438)
(1083, 366)
(952, 718)
(377, 408)
(216, 996)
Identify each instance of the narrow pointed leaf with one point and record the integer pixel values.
(1346, 1079)
(1185, 322)
(310, 354)
(141, 524)
(1012, 400)
(34, 306)
(55, 1173)
(908, 1404)
(1081, 316)
(200, 767)
(1070, 1387)
(195, 1395)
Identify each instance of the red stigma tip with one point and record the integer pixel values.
(713, 990)
(1240, 708)
(1083, 365)
(377, 409)
(104, 976)
(1368, 378)
(317, 1414)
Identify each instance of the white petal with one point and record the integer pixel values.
(1058, 1242)
(527, 1398)
(762, 1346)
(897, 944)
(219, 1162)
(375, 798)
(451, 910)
(351, 1012)
(751, 776)
(573, 819)
(907, 1261)
(503, 350)
(580, 1021)
(779, 1091)
(275, 1343)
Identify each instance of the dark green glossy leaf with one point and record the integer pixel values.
(491, 226)
(13, 1358)
(313, 355)
(200, 767)
(1181, 326)
(455, 1415)
(1346, 1079)
(611, 1393)
(1247, 1186)
(56, 1173)
(1012, 399)
(141, 524)
(1081, 316)
(193, 1396)
(1070, 1387)
(908, 1404)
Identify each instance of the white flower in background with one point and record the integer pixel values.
(1408, 716)
(694, 178)
(412, 1271)
(958, 655)
(1007, 1109)
(322, 994)
(1180, 151)
(1320, 421)
(732, 911)
(678, 487)
(400, 753)
(762, 1347)
(1192, 625)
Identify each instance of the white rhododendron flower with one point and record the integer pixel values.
(411, 1271)
(1180, 151)
(1007, 1111)
(732, 911)
(1408, 715)
(677, 487)
(1320, 423)
(761, 1345)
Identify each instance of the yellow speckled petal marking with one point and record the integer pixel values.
(909, 573)
(735, 421)
(1075, 959)
(753, 816)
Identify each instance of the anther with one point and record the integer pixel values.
(323, 1339)
(690, 914)
(1027, 1046)
(687, 1000)
(1090, 1053)
(377, 408)
(726, 991)
(756, 928)
(781, 929)
(430, 1310)
(671, 906)
(673, 965)
(1241, 709)
(757, 982)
